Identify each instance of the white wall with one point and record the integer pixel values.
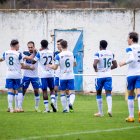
(112, 25)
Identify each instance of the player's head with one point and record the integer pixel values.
(133, 37)
(103, 44)
(44, 44)
(64, 44)
(58, 44)
(14, 44)
(31, 46)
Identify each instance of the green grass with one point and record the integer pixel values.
(56, 126)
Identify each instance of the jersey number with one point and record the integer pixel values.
(48, 59)
(67, 63)
(11, 59)
(107, 62)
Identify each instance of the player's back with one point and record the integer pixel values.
(13, 60)
(105, 61)
(45, 57)
(134, 67)
(66, 65)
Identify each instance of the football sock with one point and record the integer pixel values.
(37, 100)
(16, 101)
(131, 106)
(72, 98)
(99, 104)
(53, 98)
(56, 99)
(46, 103)
(20, 100)
(138, 96)
(63, 101)
(10, 100)
(109, 102)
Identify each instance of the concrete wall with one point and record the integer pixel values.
(112, 25)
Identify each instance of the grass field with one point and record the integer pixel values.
(79, 125)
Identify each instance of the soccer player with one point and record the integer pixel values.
(14, 63)
(31, 76)
(104, 62)
(66, 61)
(45, 56)
(133, 74)
(57, 74)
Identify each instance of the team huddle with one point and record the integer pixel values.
(57, 74)
(33, 60)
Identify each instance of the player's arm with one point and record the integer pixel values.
(36, 58)
(130, 58)
(3, 57)
(23, 66)
(31, 57)
(54, 67)
(27, 67)
(114, 64)
(96, 61)
(56, 64)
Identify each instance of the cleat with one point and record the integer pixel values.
(46, 111)
(65, 111)
(8, 110)
(129, 119)
(20, 110)
(71, 108)
(98, 115)
(139, 116)
(37, 110)
(12, 111)
(54, 109)
(109, 114)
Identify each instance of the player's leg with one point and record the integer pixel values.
(137, 86)
(99, 86)
(108, 89)
(35, 83)
(63, 95)
(20, 99)
(56, 88)
(17, 84)
(43, 82)
(25, 84)
(10, 97)
(50, 82)
(130, 87)
(70, 87)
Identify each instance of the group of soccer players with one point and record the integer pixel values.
(104, 62)
(44, 61)
(61, 65)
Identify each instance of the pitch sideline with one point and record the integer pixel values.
(77, 133)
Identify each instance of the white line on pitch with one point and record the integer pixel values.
(77, 133)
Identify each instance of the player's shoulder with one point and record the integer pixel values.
(56, 53)
(26, 52)
(129, 49)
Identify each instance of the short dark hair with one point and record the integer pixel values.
(14, 42)
(44, 44)
(31, 42)
(103, 44)
(134, 36)
(59, 40)
(64, 44)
